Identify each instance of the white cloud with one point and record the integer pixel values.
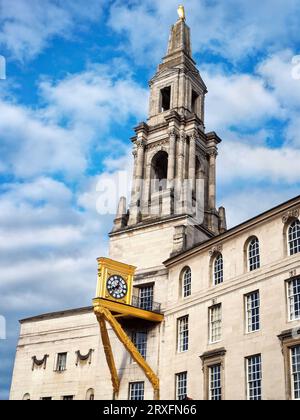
(233, 29)
(28, 26)
(76, 114)
(240, 100)
(257, 163)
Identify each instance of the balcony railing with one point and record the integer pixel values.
(146, 304)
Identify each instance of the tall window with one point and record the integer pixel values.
(218, 270)
(215, 386)
(139, 339)
(294, 237)
(294, 299)
(295, 365)
(136, 391)
(181, 386)
(68, 397)
(61, 363)
(253, 311)
(253, 254)
(165, 94)
(254, 375)
(183, 333)
(215, 323)
(146, 298)
(187, 283)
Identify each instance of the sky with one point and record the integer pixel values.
(76, 84)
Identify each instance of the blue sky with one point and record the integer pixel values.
(77, 74)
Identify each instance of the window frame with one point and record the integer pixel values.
(210, 381)
(251, 381)
(289, 241)
(292, 379)
(161, 98)
(209, 359)
(58, 356)
(130, 389)
(247, 317)
(183, 335)
(253, 260)
(182, 396)
(186, 286)
(288, 299)
(213, 322)
(143, 343)
(146, 302)
(218, 270)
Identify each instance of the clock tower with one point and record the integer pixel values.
(173, 199)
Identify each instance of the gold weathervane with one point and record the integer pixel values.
(181, 12)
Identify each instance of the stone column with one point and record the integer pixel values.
(146, 190)
(134, 154)
(192, 161)
(212, 180)
(138, 181)
(171, 158)
(139, 168)
(180, 157)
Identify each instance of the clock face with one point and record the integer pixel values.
(116, 286)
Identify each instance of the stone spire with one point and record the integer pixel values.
(180, 39)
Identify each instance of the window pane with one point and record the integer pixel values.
(295, 358)
(254, 377)
(253, 309)
(218, 270)
(61, 362)
(146, 298)
(183, 333)
(136, 391)
(294, 237)
(187, 283)
(215, 387)
(294, 299)
(139, 339)
(254, 257)
(181, 386)
(215, 319)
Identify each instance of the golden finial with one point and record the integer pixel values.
(181, 12)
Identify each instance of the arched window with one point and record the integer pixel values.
(187, 282)
(159, 171)
(294, 237)
(90, 394)
(218, 270)
(253, 254)
(26, 397)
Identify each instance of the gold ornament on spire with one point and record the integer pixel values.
(181, 12)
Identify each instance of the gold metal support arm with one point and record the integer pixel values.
(109, 355)
(104, 313)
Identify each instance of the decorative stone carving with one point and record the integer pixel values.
(215, 249)
(291, 213)
(39, 362)
(85, 357)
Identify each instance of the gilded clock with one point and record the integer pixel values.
(116, 286)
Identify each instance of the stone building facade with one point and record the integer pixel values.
(230, 298)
